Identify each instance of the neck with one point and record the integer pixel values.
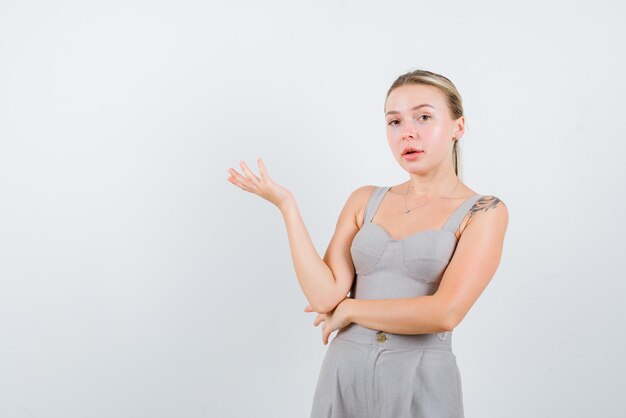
(435, 185)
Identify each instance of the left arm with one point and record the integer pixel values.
(474, 263)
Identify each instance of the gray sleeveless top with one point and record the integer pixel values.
(388, 268)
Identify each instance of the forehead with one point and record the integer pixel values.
(405, 97)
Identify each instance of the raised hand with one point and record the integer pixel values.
(265, 187)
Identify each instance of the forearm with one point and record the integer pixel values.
(416, 315)
(315, 277)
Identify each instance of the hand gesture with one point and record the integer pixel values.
(264, 186)
(333, 320)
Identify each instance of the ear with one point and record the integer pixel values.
(459, 126)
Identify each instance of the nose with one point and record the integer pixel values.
(408, 134)
(409, 131)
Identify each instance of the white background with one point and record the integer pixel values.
(135, 281)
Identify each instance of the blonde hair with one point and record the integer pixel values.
(449, 91)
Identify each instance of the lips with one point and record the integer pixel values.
(411, 150)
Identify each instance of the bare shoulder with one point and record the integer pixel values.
(357, 201)
(488, 213)
(362, 193)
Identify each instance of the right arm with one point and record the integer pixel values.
(325, 282)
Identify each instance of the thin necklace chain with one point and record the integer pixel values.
(407, 194)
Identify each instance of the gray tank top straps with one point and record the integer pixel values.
(451, 225)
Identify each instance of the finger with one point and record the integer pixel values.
(234, 181)
(238, 180)
(262, 169)
(249, 174)
(319, 318)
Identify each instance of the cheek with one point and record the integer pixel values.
(394, 143)
(435, 137)
(430, 131)
(394, 133)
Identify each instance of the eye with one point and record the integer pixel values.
(425, 116)
(392, 122)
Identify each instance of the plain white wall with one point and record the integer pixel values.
(135, 281)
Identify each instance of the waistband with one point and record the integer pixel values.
(362, 335)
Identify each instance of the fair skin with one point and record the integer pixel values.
(435, 188)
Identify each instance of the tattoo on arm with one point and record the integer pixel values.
(484, 203)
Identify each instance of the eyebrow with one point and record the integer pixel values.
(414, 108)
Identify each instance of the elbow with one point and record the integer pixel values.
(449, 316)
(326, 305)
(321, 306)
(449, 320)
(448, 324)
(322, 309)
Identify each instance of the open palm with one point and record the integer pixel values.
(264, 186)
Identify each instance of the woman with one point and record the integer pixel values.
(415, 257)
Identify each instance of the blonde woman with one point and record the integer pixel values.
(414, 257)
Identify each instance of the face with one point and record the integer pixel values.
(418, 116)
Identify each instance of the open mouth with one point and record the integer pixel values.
(411, 153)
(411, 150)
